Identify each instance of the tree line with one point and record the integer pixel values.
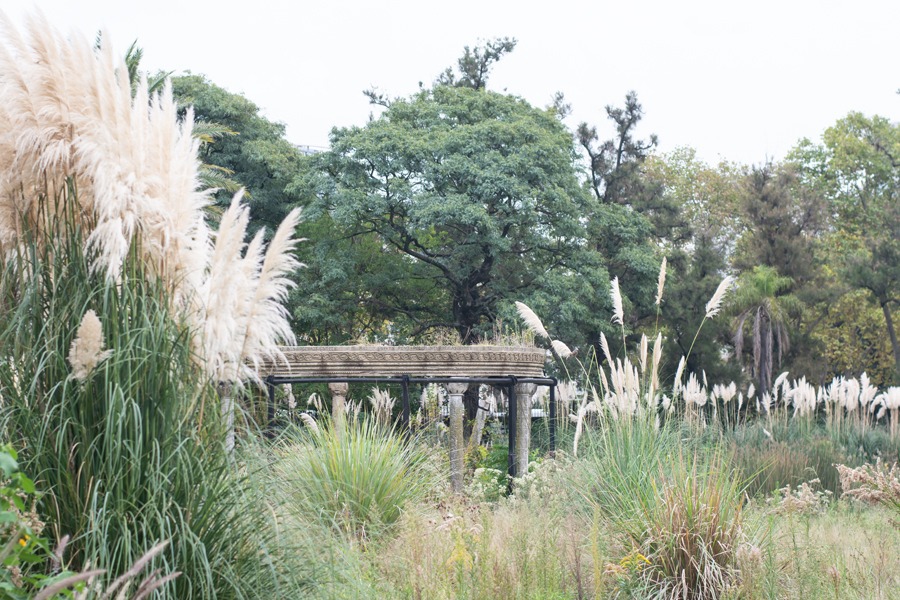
(429, 221)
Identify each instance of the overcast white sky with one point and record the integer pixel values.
(736, 80)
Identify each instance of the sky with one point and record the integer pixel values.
(737, 81)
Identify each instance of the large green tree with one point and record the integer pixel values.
(254, 152)
(857, 168)
(699, 251)
(780, 218)
(627, 211)
(476, 190)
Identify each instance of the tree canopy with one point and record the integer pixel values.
(477, 190)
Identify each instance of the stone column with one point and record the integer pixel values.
(338, 405)
(524, 393)
(478, 428)
(457, 442)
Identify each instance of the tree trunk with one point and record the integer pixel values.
(895, 347)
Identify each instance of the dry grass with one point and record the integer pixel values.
(480, 551)
(844, 553)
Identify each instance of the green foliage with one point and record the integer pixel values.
(857, 168)
(251, 149)
(475, 190)
(475, 64)
(759, 302)
(130, 453)
(679, 507)
(627, 212)
(781, 217)
(358, 480)
(852, 339)
(25, 554)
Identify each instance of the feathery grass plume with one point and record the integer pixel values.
(532, 320)
(678, 372)
(643, 352)
(654, 368)
(309, 422)
(87, 351)
(242, 293)
(561, 349)
(67, 115)
(68, 122)
(382, 405)
(715, 303)
(661, 282)
(614, 293)
(268, 321)
(605, 346)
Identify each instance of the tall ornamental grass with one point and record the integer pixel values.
(677, 508)
(358, 479)
(102, 391)
(119, 311)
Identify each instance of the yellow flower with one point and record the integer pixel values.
(23, 541)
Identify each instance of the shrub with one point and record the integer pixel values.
(875, 484)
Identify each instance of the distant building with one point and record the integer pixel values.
(310, 150)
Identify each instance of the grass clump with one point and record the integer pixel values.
(675, 511)
(358, 479)
(107, 409)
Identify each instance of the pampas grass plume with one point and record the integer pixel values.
(643, 352)
(616, 295)
(87, 351)
(309, 422)
(561, 349)
(605, 346)
(715, 303)
(532, 320)
(678, 373)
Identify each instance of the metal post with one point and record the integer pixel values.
(553, 417)
(404, 392)
(511, 427)
(270, 412)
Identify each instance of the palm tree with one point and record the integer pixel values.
(757, 296)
